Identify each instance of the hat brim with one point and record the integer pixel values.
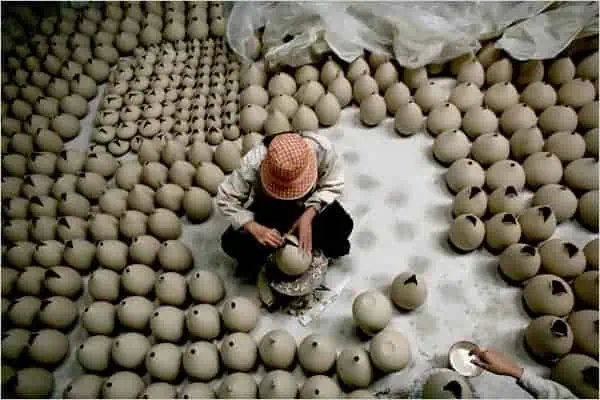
(290, 190)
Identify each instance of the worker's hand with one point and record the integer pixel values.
(496, 362)
(304, 227)
(268, 237)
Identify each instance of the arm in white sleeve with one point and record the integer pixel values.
(542, 388)
(331, 179)
(235, 190)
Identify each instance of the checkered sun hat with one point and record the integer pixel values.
(289, 169)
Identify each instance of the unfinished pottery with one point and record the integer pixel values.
(502, 230)
(539, 96)
(443, 117)
(341, 88)
(542, 168)
(585, 287)
(282, 83)
(576, 93)
(557, 118)
(201, 360)
(278, 384)
(506, 199)
(500, 71)
(505, 173)
(99, 318)
(237, 385)
(577, 372)
(519, 116)
(591, 253)
(320, 386)
(501, 96)
(173, 255)
(114, 202)
(48, 253)
(124, 384)
(408, 291)
(63, 281)
(58, 312)
(479, 120)
(167, 323)
(309, 93)
(549, 337)
(561, 71)
(582, 174)
(112, 254)
(567, 146)
(164, 224)
(133, 223)
(290, 259)
(84, 386)
(371, 311)
(363, 87)
(471, 71)
(450, 146)
(48, 347)
(305, 119)
(547, 294)
(254, 94)
(141, 197)
(138, 279)
(134, 312)
(520, 262)
(372, 109)
(588, 119)
(34, 382)
(385, 75)
(354, 368)
(465, 96)
(562, 258)
(239, 352)
(277, 349)
(196, 390)
(252, 118)
(467, 232)
(463, 173)
(203, 321)
(431, 94)
(357, 68)
(14, 343)
(95, 352)
(490, 148)
(389, 351)
(23, 311)
(171, 288)
(409, 119)
(104, 285)
(525, 142)
(446, 384)
(91, 184)
(317, 353)
(587, 211)
(560, 198)
(163, 362)
(585, 335)
(240, 314)
(129, 349)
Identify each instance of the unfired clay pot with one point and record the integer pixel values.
(479, 120)
(549, 295)
(291, 259)
(537, 224)
(124, 384)
(317, 353)
(582, 174)
(505, 173)
(240, 314)
(99, 318)
(500, 96)
(591, 253)
(408, 291)
(167, 324)
(431, 94)
(578, 372)
(450, 146)
(539, 96)
(463, 173)
(557, 118)
(467, 232)
(506, 199)
(278, 385)
(525, 142)
(562, 258)
(585, 287)
(203, 321)
(501, 231)
(389, 351)
(409, 119)
(201, 360)
(585, 335)
(567, 146)
(277, 349)
(443, 117)
(95, 352)
(238, 385)
(371, 311)
(239, 352)
(353, 367)
(549, 338)
(446, 384)
(587, 210)
(320, 386)
(519, 262)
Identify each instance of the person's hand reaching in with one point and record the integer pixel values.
(304, 227)
(496, 362)
(267, 237)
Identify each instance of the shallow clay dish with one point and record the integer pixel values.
(460, 360)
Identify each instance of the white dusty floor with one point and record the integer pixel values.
(396, 194)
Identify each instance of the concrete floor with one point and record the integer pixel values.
(396, 194)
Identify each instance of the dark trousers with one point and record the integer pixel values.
(331, 229)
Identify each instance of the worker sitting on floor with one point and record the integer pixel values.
(288, 183)
(500, 364)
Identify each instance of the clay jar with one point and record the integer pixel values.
(582, 174)
(254, 94)
(396, 95)
(490, 148)
(470, 200)
(519, 262)
(284, 103)
(499, 71)
(277, 349)
(99, 318)
(537, 224)
(239, 352)
(409, 119)
(84, 386)
(134, 312)
(389, 351)
(415, 77)
(567, 146)
(443, 117)
(548, 294)
(138, 279)
(371, 311)
(328, 109)
(446, 384)
(209, 177)
(203, 321)
(276, 122)
(466, 233)
(290, 259)
(252, 118)
(539, 96)
(363, 87)
(201, 360)
(95, 352)
(506, 199)
(588, 119)
(238, 385)
(505, 173)
(58, 312)
(501, 231)
(586, 289)
(33, 382)
(357, 68)
(305, 119)
(561, 71)
(585, 334)
(125, 384)
(450, 146)
(167, 324)
(479, 120)
(578, 373)
(587, 211)
(320, 386)
(471, 71)
(530, 71)
(317, 354)
(465, 96)
(408, 291)
(206, 287)
(525, 142)
(354, 368)
(549, 338)
(576, 93)
(173, 255)
(518, 116)
(282, 83)
(171, 288)
(240, 314)
(542, 168)
(278, 385)
(557, 119)
(588, 67)
(463, 173)
(500, 96)
(562, 258)
(129, 349)
(431, 94)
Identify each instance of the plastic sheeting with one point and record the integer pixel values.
(414, 33)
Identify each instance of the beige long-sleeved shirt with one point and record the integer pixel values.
(542, 388)
(238, 190)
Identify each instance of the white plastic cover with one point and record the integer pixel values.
(415, 33)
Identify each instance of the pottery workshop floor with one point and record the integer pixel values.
(396, 194)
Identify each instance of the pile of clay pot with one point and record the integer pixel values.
(507, 127)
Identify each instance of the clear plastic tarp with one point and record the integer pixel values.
(414, 33)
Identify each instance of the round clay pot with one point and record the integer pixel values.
(240, 314)
(466, 96)
(396, 95)
(525, 142)
(471, 71)
(328, 109)
(159, 390)
(284, 103)
(196, 390)
(320, 386)
(582, 174)
(587, 210)
(490, 148)
(463, 173)
(277, 349)
(138, 279)
(443, 117)
(519, 116)
(171, 288)
(389, 351)
(588, 119)
(357, 68)
(430, 95)
(306, 73)
(537, 224)
(239, 352)
(501, 96)
(282, 83)
(104, 285)
(557, 119)
(542, 168)
(519, 262)
(206, 287)
(479, 120)
(506, 199)
(167, 324)
(254, 94)
(539, 96)
(63, 281)
(330, 71)
(386, 75)
(562, 258)
(576, 93)
(252, 118)
(470, 200)
(203, 321)
(173, 255)
(548, 295)
(466, 233)
(500, 71)
(58, 312)
(590, 250)
(501, 231)
(408, 291)
(561, 71)
(304, 119)
(317, 353)
(567, 146)
(549, 338)
(84, 386)
(14, 343)
(33, 382)
(585, 335)
(124, 384)
(586, 289)
(201, 360)
(371, 311)
(588, 67)
(530, 71)
(278, 385)
(409, 119)
(414, 78)
(577, 372)
(450, 146)
(363, 87)
(95, 352)
(23, 311)
(446, 384)
(99, 318)
(238, 385)
(353, 367)
(48, 347)
(505, 173)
